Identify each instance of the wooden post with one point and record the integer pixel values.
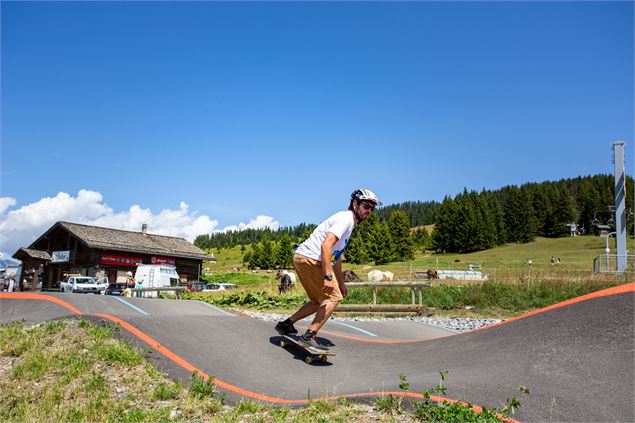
(420, 296)
(374, 295)
(412, 295)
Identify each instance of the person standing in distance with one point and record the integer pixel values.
(318, 265)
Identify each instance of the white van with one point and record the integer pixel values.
(156, 276)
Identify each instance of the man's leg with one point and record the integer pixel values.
(304, 311)
(324, 311)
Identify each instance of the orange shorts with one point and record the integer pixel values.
(310, 273)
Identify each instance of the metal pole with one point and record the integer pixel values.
(620, 205)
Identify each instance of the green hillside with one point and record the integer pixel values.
(500, 263)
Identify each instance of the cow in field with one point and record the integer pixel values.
(350, 276)
(287, 280)
(432, 274)
(379, 276)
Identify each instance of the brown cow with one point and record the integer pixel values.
(350, 276)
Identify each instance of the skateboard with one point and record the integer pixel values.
(313, 353)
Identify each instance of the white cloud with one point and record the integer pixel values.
(258, 223)
(20, 227)
(5, 203)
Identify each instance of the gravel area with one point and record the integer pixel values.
(459, 324)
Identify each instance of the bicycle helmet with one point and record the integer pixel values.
(363, 194)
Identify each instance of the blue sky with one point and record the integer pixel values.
(241, 109)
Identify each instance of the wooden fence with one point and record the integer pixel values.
(416, 291)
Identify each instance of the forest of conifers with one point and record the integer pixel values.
(470, 221)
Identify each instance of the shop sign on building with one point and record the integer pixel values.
(163, 260)
(119, 260)
(60, 256)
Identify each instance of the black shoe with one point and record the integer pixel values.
(286, 328)
(312, 342)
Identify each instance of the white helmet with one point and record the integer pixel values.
(363, 194)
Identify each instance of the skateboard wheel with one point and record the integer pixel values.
(282, 344)
(324, 358)
(308, 359)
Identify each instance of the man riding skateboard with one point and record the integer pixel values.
(318, 265)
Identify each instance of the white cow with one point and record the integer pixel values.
(281, 272)
(378, 276)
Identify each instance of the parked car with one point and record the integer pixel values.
(219, 286)
(84, 285)
(115, 288)
(197, 286)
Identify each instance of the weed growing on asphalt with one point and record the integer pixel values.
(454, 411)
(389, 404)
(201, 387)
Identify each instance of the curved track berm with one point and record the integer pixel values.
(576, 357)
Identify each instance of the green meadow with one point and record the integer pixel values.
(513, 286)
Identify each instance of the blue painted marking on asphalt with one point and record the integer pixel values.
(130, 305)
(353, 327)
(216, 308)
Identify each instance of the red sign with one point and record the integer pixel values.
(163, 260)
(119, 260)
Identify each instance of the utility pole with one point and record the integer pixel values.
(620, 205)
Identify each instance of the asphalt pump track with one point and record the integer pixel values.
(576, 358)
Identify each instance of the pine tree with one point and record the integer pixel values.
(563, 214)
(255, 257)
(283, 253)
(380, 245)
(247, 259)
(399, 227)
(267, 259)
(421, 239)
(518, 214)
(356, 249)
(444, 228)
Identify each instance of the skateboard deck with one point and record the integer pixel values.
(313, 353)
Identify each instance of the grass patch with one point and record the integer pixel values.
(166, 391)
(201, 388)
(259, 300)
(389, 404)
(65, 373)
(241, 278)
(512, 298)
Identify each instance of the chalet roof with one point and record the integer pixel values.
(134, 242)
(36, 254)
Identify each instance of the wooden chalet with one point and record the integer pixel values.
(103, 252)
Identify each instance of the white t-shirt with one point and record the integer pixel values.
(341, 225)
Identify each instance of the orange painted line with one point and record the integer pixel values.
(166, 352)
(246, 393)
(34, 296)
(616, 290)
